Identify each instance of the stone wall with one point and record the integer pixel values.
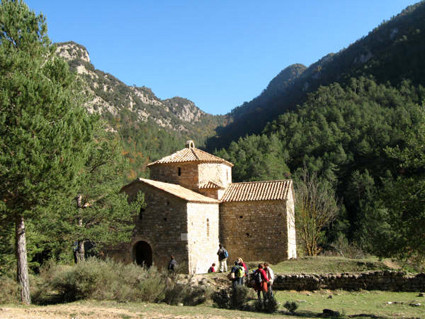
(162, 225)
(254, 230)
(211, 193)
(202, 224)
(215, 172)
(169, 173)
(377, 280)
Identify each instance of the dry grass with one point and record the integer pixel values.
(370, 304)
(113, 310)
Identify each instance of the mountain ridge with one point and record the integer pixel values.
(393, 51)
(111, 95)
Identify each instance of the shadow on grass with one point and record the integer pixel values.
(333, 315)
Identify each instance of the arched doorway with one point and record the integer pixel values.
(142, 254)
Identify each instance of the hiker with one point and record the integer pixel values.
(260, 279)
(245, 267)
(212, 268)
(270, 275)
(222, 258)
(236, 275)
(172, 265)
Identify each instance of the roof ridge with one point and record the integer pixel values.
(191, 154)
(194, 153)
(270, 181)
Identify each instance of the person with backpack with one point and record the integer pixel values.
(236, 275)
(270, 275)
(260, 282)
(222, 258)
(244, 265)
(172, 265)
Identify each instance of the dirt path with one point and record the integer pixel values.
(66, 312)
(80, 311)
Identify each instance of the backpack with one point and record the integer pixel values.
(240, 272)
(258, 278)
(226, 254)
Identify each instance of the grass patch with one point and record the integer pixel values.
(321, 265)
(373, 303)
(310, 305)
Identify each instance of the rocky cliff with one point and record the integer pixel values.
(110, 97)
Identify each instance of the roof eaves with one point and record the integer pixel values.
(207, 200)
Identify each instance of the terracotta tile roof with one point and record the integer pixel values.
(179, 191)
(255, 191)
(210, 184)
(190, 154)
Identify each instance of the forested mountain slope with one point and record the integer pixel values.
(356, 120)
(150, 127)
(390, 53)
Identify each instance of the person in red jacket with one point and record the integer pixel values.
(261, 280)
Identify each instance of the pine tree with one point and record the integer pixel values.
(97, 213)
(44, 132)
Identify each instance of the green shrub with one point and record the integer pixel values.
(239, 297)
(9, 291)
(269, 305)
(100, 280)
(221, 298)
(291, 306)
(233, 298)
(184, 293)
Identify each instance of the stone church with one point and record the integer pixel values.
(192, 206)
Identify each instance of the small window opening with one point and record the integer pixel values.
(165, 219)
(179, 171)
(208, 227)
(142, 210)
(167, 203)
(240, 216)
(248, 235)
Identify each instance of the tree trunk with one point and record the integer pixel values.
(22, 262)
(81, 254)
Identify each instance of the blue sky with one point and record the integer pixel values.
(218, 54)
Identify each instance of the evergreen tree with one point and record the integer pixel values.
(98, 213)
(44, 132)
(403, 196)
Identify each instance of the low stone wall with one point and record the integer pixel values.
(378, 280)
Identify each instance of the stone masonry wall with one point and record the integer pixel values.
(162, 225)
(169, 173)
(202, 224)
(215, 172)
(378, 280)
(255, 231)
(211, 193)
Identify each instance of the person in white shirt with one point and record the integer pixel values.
(270, 275)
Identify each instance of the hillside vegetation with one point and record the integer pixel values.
(353, 122)
(392, 52)
(149, 127)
